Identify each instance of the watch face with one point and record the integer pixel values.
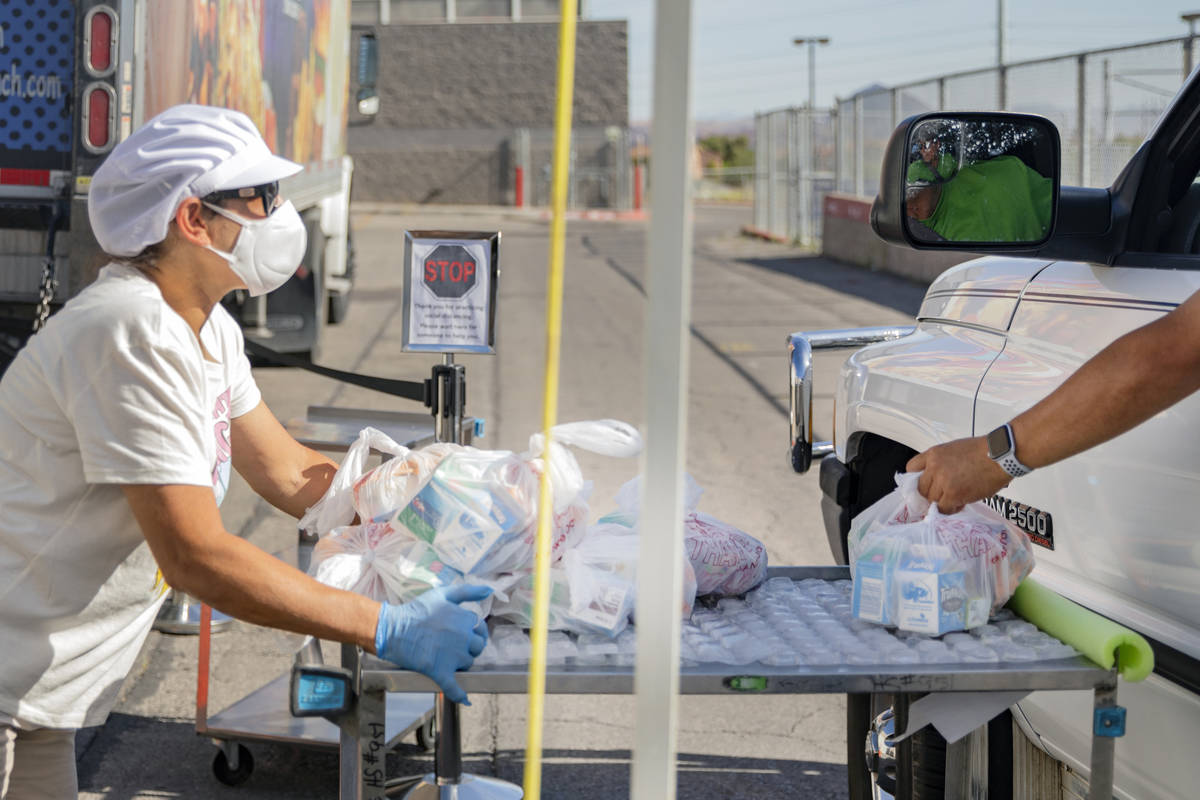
(998, 442)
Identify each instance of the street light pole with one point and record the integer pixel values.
(1188, 61)
(812, 42)
(808, 161)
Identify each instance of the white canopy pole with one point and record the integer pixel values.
(668, 309)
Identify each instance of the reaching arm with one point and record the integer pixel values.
(431, 634)
(284, 472)
(198, 556)
(1140, 374)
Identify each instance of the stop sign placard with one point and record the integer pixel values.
(450, 271)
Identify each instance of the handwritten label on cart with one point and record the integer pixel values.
(449, 291)
(374, 750)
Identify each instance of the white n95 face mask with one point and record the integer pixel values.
(268, 250)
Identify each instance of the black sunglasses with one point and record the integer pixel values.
(269, 192)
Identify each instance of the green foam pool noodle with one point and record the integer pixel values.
(1100, 639)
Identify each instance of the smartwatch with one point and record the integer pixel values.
(1002, 448)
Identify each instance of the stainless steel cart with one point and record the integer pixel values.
(264, 715)
(364, 737)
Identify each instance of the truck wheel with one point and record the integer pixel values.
(858, 721)
(874, 468)
(233, 777)
(928, 765)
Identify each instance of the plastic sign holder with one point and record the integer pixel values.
(450, 291)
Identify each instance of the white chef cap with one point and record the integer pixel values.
(186, 151)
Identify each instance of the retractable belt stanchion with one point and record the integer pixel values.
(449, 395)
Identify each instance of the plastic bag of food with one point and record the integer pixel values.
(725, 560)
(379, 492)
(613, 548)
(474, 510)
(452, 513)
(920, 570)
(336, 506)
(374, 560)
(595, 602)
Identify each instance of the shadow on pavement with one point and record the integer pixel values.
(604, 774)
(887, 290)
(147, 757)
(144, 757)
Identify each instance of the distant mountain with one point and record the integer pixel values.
(725, 127)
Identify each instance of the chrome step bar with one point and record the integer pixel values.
(800, 347)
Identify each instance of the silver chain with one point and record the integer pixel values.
(45, 294)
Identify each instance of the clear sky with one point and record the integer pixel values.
(745, 60)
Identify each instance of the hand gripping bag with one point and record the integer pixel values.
(920, 570)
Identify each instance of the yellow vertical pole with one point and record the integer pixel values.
(554, 291)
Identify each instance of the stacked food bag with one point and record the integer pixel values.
(920, 570)
(451, 513)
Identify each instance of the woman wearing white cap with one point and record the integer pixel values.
(119, 423)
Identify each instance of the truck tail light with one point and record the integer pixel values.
(100, 41)
(99, 117)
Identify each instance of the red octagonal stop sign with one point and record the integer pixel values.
(450, 271)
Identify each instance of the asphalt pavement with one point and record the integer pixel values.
(747, 295)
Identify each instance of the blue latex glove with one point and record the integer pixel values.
(434, 636)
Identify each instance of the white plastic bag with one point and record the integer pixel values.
(336, 506)
(920, 570)
(613, 548)
(606, 437)
(600, 603)
(451, 513)
(376, 561)
(378, 493)
(725, 560)
(474, 510)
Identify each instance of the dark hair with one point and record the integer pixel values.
(146, 260)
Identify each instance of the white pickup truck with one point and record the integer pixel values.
(1117, 528)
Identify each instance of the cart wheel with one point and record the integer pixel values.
(427, 734)
(233, 777)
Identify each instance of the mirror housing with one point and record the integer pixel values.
(367, 102)
(968, 147)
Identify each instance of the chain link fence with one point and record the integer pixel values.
(1104, 103)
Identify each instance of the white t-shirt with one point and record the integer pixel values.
(114, 390)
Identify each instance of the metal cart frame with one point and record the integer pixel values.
(362, 774)
(263, 715)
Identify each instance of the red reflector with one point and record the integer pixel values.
(25, 177)
(100, 55)
(99, 106)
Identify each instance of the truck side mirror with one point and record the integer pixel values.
(969, 181)
(367, 98)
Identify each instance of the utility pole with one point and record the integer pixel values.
(1000, 32)
(1001, 76)
(808, 164)
(1188, 60)
(812, 42)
